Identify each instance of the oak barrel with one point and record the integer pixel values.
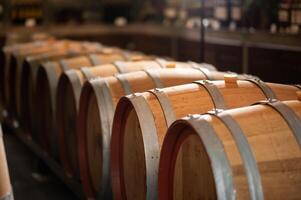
(97, 104)
(26, 97)
(6, 55)
(247, 153)
(141, 122)
(12, 86)
(67, 102)
(46, 86)
(5, 185)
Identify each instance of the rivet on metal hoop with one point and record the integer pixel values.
(215, 111)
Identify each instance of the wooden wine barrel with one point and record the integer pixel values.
(68, 94)
(141, 122)
(5, 185)
(25, 99)
(84, 47)
(46, 87)
(6, 55)
(97, 104)
(16, 66)
(247, 153)
(67, 102)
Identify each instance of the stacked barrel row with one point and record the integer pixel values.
(112, 119)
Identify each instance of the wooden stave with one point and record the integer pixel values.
(81, 126)
(16, 67)
(5, 60)
(171, 142)
(28, 79)
(50, 71)
(20, 54)
(75, 79)
(78, 77)
(77, 83)
(6, 53)
(120, 111)
(49, 51)
(76, 63)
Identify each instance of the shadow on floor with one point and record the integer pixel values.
(22, 164)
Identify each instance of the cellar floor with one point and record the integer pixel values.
(23, 167)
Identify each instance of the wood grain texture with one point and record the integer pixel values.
(183, 100)
(26, 94)
(108, 92)
(67, 101)
(274, 147)
(46, 85)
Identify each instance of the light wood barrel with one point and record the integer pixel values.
(67, 102)
(46, 88)
(6, 55)
(141, 122)
(25, 99)
(97, 104)
(247, 153)
(16, 67)
(5, 185)
(75, 47)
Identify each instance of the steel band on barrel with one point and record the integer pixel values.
(155, 76)
(268, 92)
(216, 152)
(288, 115)
(94, 59)
(250, 165)
(152, 148)
(124, 83)
(165, 104)
(214, 92)
(204, 70)
(87, 73)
